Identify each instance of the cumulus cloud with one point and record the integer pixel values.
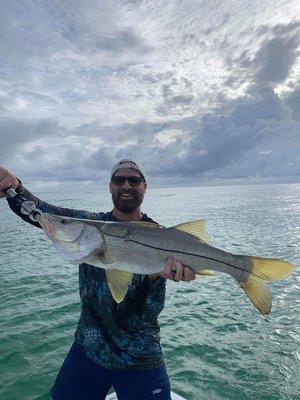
(15, 134)
(196, 92)
(276, 57)
(255, 138)
(292, 101)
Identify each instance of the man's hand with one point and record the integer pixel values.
(175, 271)
(7, 180)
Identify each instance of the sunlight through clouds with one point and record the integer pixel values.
(205, 90)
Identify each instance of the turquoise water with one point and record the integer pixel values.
(217, 346)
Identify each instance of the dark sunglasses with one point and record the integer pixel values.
(132, 180)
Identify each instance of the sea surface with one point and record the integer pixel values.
(216, 344)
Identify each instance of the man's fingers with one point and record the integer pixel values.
(188, 274)
(7, 180)
(179, 271)
(168, 268)
(6, 183)
(175, 271)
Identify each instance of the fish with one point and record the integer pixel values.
(138, 247)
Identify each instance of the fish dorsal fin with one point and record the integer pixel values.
(146, 224)
(195, 228)
(118, 282)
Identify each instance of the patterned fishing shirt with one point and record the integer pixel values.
(116, 336)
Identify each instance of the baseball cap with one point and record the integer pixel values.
(127, 163)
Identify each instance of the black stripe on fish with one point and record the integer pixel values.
(177, 251)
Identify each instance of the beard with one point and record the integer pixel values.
(130, 204)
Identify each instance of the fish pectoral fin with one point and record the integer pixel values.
(195, 228)
(118, 282)
(263, 270)
(205, 272)
(104, 257)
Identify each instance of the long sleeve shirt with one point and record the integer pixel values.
(116, 336)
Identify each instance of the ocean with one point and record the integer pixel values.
(216, 344)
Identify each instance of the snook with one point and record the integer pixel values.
(124, 248)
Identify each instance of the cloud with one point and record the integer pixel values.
(276, 57)
(192, 92)
(251, 136)
(292, 101)
(263, 103)
(256, 138)
(270, 60)
(14, 134)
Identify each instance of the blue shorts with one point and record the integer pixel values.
(80, 378)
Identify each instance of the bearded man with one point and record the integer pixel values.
(115, 344)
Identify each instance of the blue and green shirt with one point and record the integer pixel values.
(116, 336)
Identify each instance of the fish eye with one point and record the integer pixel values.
(63, 221)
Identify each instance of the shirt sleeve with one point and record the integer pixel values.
(154, 299)
(45, 208)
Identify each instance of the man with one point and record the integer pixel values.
(115, 344)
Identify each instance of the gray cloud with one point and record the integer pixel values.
(282, 29)
(213, 28)
(175, 93)
(14, 134)
(222, 144)
(183, 99)
(276, 57)
(262, 104)
(292, 101)
(271, 63)
(59, 37)
(257, 122)
(190, 91)
(120, 41)
(255, 139)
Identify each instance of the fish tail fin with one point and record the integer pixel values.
(261, 271)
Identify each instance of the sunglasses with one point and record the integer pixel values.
(132, 180)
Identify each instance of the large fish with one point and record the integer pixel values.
(124, 248)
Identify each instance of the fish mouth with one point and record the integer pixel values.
(47, 225)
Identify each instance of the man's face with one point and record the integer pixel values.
(126, 197)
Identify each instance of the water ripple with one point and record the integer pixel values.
(217, 346)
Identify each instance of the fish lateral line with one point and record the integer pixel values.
(126, 238)
(176, 251)
(256, 271)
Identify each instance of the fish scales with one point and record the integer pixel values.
(123, 248)
(147, 249)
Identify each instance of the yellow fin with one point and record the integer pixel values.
(205, 272)
(258, 293)
(118, 282)
(270, 269)
(195, 228)
(261, 271)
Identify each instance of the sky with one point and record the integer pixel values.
(198, 92)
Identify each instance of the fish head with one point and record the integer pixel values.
(74, 239)
(61, 228)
